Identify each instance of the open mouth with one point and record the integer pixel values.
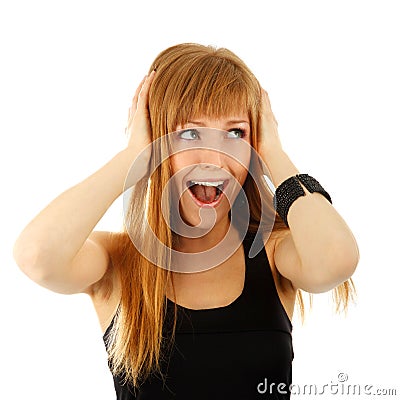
(207, 192)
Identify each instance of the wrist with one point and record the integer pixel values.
(138, 164)
(278, 164)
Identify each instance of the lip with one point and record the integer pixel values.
(208, 179)
(214, 203)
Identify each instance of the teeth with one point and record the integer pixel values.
(217, 183)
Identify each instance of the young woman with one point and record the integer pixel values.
(195, 296)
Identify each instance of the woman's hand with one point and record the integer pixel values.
(268, 140)
(277, 165)
(138, 127)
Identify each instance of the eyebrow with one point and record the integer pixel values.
(231, 122)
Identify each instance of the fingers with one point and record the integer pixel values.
(133, 106)
(144, 91)
(141, 94)
(265, 101)
(138, 114)
(266, 105)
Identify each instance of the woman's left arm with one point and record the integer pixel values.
(319, 252)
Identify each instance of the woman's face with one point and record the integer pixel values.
(210, 160)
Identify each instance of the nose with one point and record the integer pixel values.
(211, 158)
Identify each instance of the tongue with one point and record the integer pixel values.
(205, 194)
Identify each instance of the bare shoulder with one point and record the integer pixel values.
(285, 289)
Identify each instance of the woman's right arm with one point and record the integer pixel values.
(58, 249)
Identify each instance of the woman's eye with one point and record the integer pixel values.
(236, 133)
(189, 134)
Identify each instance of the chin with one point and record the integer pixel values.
(204, 218)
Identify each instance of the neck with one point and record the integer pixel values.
(204, 242)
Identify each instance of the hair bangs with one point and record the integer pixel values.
(216, 89)
(228, 101)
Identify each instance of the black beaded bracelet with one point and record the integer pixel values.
(312, 185)
(290, 190)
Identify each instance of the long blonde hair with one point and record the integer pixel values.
(191, 80)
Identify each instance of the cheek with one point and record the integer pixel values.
(241, 168)
(180, 166)
(242, 174)
(179, 161)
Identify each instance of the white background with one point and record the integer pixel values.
(68, 73)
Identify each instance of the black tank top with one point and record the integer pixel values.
(242, 351)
